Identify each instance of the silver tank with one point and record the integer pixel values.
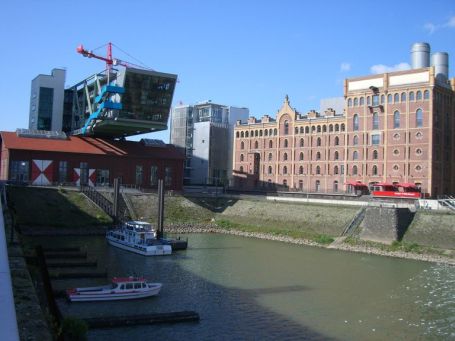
(420, 55)
(440, 61)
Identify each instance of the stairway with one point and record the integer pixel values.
(106, 205)
(447, 201)
(354, 223)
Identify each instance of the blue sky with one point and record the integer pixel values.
(243, 53)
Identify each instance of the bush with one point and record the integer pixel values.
(323, 239)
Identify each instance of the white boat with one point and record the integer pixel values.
(120, 289)
(138, 237)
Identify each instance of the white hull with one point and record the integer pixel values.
(85, 295)
(151, 250)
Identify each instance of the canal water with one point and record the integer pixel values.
(251, 289)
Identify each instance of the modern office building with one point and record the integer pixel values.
(396, 127)
(204, 132)
(46, 101)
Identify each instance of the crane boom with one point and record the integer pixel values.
(109, 60)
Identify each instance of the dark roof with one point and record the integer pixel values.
(90, 145)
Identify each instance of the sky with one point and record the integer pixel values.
(241, 53)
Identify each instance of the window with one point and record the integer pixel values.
(275, 131)
(330, 128)
(270, 156)
(319, 129)
(242, 145)
(419, 135)
(102, 177)
(318, 170)
(396, 98)
(337, 127)
(396, 119)
(285, 183)
(241, 158)
(153, 175)
(307, 130)
(396, 136)
(301, 157)
(256, 145)
(337, 141)
(368, 100)
(356, 102)
(418, 168)
(260, 132)
(46, 101)
(354, 170)
(286, 127)
(318, 156)
(396, 168)
(337, 155)
(355, 155)
(419, 118)
(138, 175)
(324, 128)
(241, 169)
(375, 100)
(237, 134)
(270, 169)
(396, 152)
(389, 99)
(19, 171)
(313, 129)
(426, 95)
(318, 185)
(403, 97)
(356, 122)
(270, 144)
(419, 95)
(349, 102)
(335, 170)
(266, 132)
(301, 143)
(301, 185)
(335, 186)
(362, 100)
(246, 134)
(84, 173)
(167, 177)
(63, 172)
(285, 156)
(285, 143)
(375, 121)
(411, 96)
(355, 141)
(296, 130)
(343, 127)
(318, 142)
(301, 170)
(375, 170)
(375, 154)
(375, 139)
(418, 151)
(285, 170)
(382, 99)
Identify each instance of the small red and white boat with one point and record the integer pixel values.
(120, 289)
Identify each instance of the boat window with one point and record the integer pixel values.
(143, 285)
(122, 287)
(137, 285)
(129, 285)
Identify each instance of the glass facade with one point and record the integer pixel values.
(19, 171)
(46, 100)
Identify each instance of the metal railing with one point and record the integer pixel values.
(447, 201)
(354, 223)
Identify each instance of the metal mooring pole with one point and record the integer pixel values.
(116, 196)
(160, 208)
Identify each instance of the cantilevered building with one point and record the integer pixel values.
(396, 128)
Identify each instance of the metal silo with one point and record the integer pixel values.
(440, 61)
(420, 55)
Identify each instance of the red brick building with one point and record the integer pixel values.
(396, 128)
(92, 161)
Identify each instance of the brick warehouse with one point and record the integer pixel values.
(92, 161)
(395, 128)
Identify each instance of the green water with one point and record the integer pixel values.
(250, 289)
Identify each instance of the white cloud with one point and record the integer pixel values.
(345, 67)
(381, 68)
(451, 22)
(430, 28)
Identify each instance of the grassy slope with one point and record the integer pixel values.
(56, 208)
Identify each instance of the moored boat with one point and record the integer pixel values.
(120, 289)
(138, 237)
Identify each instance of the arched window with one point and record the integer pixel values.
(270, 156)
(375, 170)
(241, 169)
(411, 96)
(256, 145)
(318, 142)
(285, 143)
(389, 99)
(247, 134)
(296, 130)
(301, 170)
(337, 127)
(270, 144)
(355, 155)
(396, 119)
(335, 170)
(349, 102)
(301, 142)
(368, 100)
(318, 170)
(242, 134)
(355, 141)
(270, 170)
(270, 132)
(330, 128)
(337, 155)
(301, 130)
(375, 121)
(324, 128)
(335, 186)
(356, 122)
(275, 131)
(426, 95)
(260, 132)
(237, 134)
(313, 129)
(241, 157)
(343, 127)
(403, 97)
(375, 154)
(256, 133)
(242, 145)
(318, 185)
(266, 132)
(382, 99)
(356, 102)
(337, 141)
(285, 170)
(301, 157)
(419, 95)
(354, 170)
(307, 130)
(286, 127)
(285, 183)
(396, 98)
(362, 101)
(318, 156)
(419, 118)
(319, 129)
(285, 156)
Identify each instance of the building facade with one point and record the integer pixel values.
(203, 132)
(58, 159)
(396, 128)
